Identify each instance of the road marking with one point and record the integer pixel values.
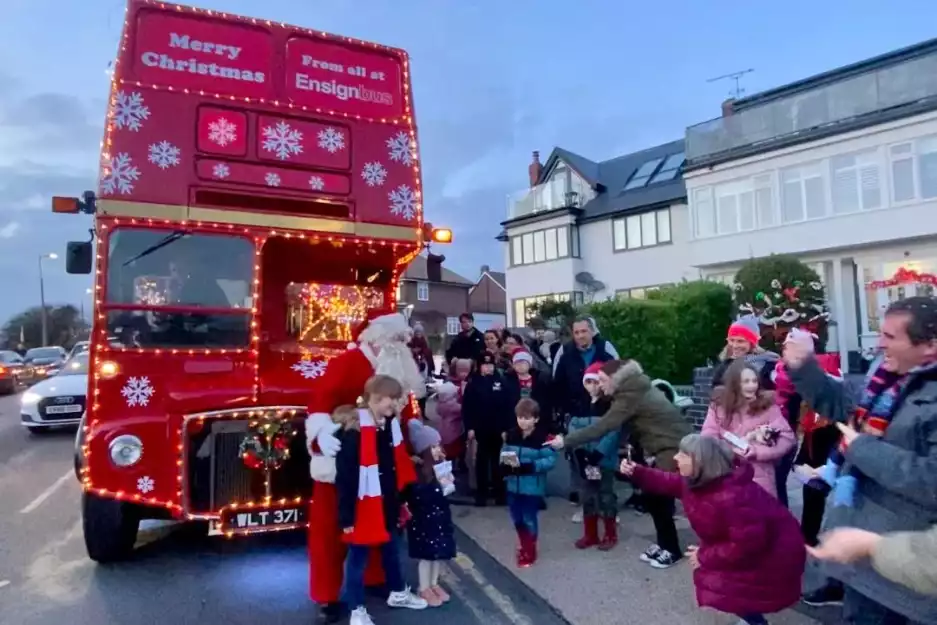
(455, 585)
(501, 601)
(4, 582)
(38, 501)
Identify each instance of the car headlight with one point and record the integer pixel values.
(126, 450)
(29, 398)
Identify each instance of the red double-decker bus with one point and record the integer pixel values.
(260, 191)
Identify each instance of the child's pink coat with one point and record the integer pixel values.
(765, 456)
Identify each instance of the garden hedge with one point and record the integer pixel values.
(679, 328)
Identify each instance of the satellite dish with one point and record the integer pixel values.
(584, 277)
(597, 285)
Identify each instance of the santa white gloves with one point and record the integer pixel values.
(329, 445)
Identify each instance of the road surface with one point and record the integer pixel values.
(46, 577)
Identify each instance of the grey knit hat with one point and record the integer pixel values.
(422, 436)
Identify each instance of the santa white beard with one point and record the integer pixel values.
(396, 360)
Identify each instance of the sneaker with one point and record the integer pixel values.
(360, 616)
(827, 595)
(431, 598)
(664, 560)
(577, 516)
(650, 553)
(405, 599)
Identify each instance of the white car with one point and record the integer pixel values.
(59, 400)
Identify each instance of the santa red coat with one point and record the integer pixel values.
(340, 385)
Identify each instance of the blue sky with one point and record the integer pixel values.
(492, 82)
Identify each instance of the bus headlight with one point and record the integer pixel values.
(126, 450)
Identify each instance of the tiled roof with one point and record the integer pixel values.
(417, 271)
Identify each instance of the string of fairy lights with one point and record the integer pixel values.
(105, 369)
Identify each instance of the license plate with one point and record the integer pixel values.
(249, 521)
(67, 409)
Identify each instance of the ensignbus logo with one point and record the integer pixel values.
(342, 91)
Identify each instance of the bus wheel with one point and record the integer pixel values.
(110, 528)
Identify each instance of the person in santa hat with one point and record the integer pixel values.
(742, 342)
(379, 347)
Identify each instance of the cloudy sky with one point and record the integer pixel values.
(492, 81)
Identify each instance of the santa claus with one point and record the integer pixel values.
(379, 347)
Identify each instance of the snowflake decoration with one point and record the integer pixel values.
(401, 148)
(316, 183)
(220, 170)
(331, 140)
(282, 140)
(128, 111)
(164, 154)
(222, 132)
(119, 174)
(403, 202)
(310, 368)
(146, 484)
(138, 391)
(272, 179)
(374, 174)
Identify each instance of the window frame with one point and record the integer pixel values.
(452, 326)
(636, 181)
(891, 160)
(622, 223)
(856, 169)
(521, 304)
(674, 171)
(822, 173)
(422, 291)
(567, 245)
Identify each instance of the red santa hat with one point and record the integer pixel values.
(592, 372)
(522, 355)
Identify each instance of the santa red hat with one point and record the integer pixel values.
(592, 372)
(522, 355)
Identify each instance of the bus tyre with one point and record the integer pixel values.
(110, 528)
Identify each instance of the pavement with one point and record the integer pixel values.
(595, 588)
(46, 576)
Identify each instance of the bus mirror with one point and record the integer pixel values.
(441, 235)
(79, 257)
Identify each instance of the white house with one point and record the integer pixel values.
(587, 230)
(839, 169)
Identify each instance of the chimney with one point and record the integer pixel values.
(434, 267)
(485, 269)
(534, 169)
(728, 107)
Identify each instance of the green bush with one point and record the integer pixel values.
(704, 310)
(640, 329)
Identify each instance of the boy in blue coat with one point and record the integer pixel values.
(526, 460)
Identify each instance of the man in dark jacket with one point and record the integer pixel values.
(887, 481)
(469, 343)
(570, 398)
(487, 413)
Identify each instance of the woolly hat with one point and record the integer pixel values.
(802, 338)
(592, 373)
(746, 328)
(422, 436)
(522, 355)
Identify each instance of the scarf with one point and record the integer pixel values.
(876, 408)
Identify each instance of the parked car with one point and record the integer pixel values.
(13, 372)
(45, 361)
(79, 348)
(58, 400)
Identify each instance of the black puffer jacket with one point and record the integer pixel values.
(569, 395)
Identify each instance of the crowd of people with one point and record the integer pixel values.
(512, 404)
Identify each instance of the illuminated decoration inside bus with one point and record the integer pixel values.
(328, 312)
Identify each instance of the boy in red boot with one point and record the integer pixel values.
(596, 464)
(526, 459)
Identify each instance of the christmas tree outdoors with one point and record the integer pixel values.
(782, 293)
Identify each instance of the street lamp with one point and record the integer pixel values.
(42, 298)
(87, 292)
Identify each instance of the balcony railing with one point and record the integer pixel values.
(902, 84)
(546, 197)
